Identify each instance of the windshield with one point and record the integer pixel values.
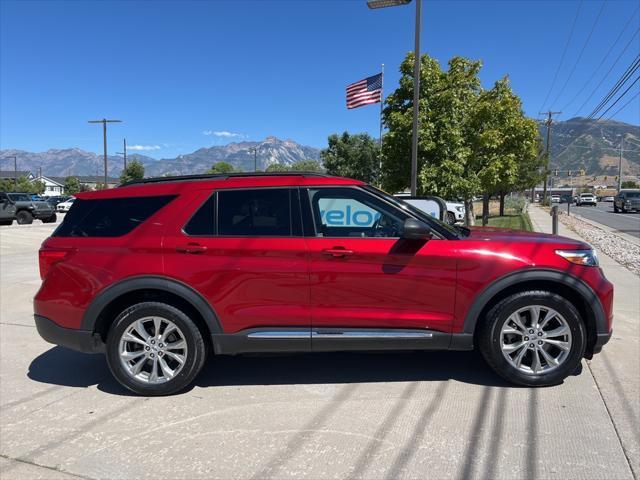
(19, 197)
(440, 227)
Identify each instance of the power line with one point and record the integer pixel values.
(620, 97)
(623, 106)
(607, 74)
(564, 52)
(631, 69)
(584, 46)
(624, 29)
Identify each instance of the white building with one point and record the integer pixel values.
(52, 188)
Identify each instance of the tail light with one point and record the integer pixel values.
(49, 257)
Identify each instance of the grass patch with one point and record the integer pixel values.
(515, 222)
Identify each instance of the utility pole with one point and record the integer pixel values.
(104, 122)
(548, 123)
(124, 154)
(620, 164)
(15, 172)
(255, 158)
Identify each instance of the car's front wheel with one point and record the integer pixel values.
(51, 219)
(24, 218)
(155, 349)
(533, 338)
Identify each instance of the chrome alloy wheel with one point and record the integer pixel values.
(535, 339)
(153, 350)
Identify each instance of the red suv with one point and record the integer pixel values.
(160, 273)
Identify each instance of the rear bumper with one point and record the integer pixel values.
(80, 340)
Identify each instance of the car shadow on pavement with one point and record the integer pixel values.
(61, 366)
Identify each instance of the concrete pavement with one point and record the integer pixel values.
(386, 415)
(616, 370)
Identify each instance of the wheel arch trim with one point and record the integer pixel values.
(166, 284)
(513, 279)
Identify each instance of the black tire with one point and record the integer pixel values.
(451, 218)
(51, 219)
(196, 349)
(489, 338)
(6, 222)
(24, 217)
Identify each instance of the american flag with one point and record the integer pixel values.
(365, 91)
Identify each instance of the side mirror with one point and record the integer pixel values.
(416, 230)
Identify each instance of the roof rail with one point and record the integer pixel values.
(220, 176)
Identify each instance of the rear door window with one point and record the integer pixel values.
(113, 217)
(256, 212)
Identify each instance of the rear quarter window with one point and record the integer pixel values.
(113, 217)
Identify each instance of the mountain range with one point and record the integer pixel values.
(594, 146)
(576, 144)
(74, 161)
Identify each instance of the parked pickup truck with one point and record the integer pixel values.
(7, 210)
(27, 209)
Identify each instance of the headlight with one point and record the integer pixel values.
(460, 209)
(588, 258)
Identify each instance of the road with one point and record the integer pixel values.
(358, 415)
(603, 213)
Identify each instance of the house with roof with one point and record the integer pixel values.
(12, 174)
(52, 188)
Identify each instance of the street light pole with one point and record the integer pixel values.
(416, 103)
(373, 4)
(620, 165)
(104, 122)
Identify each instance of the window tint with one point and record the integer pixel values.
(112, 217)
(260, 212)
(350, 212)
(203, 221)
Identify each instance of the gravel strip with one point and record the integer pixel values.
(620, 249)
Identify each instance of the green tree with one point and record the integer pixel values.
(221, 167)
(470, 140)
(72, 185)
(306, 166)
(134, 171)
(630, 184)
(278, 167)
(503, 140)
(355, 156)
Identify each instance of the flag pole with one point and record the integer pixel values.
(380, 140)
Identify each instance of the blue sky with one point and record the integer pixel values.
(189, 74)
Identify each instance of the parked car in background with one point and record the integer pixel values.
(66, 205)
(55, 200)
(586, 199)
(160, 273)
(27, 210)
(7, 210)
(555, 198)
(627, 200)
(608, 198)
(453, 215)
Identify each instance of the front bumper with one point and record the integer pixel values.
(601, 340)
(80, 340)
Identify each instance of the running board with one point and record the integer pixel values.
(276, 339)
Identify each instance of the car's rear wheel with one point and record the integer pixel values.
(533, 338)
(155, 349)
(50, 219)
(24, 218)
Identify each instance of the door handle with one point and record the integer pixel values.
(194, 248)
(337, 252)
